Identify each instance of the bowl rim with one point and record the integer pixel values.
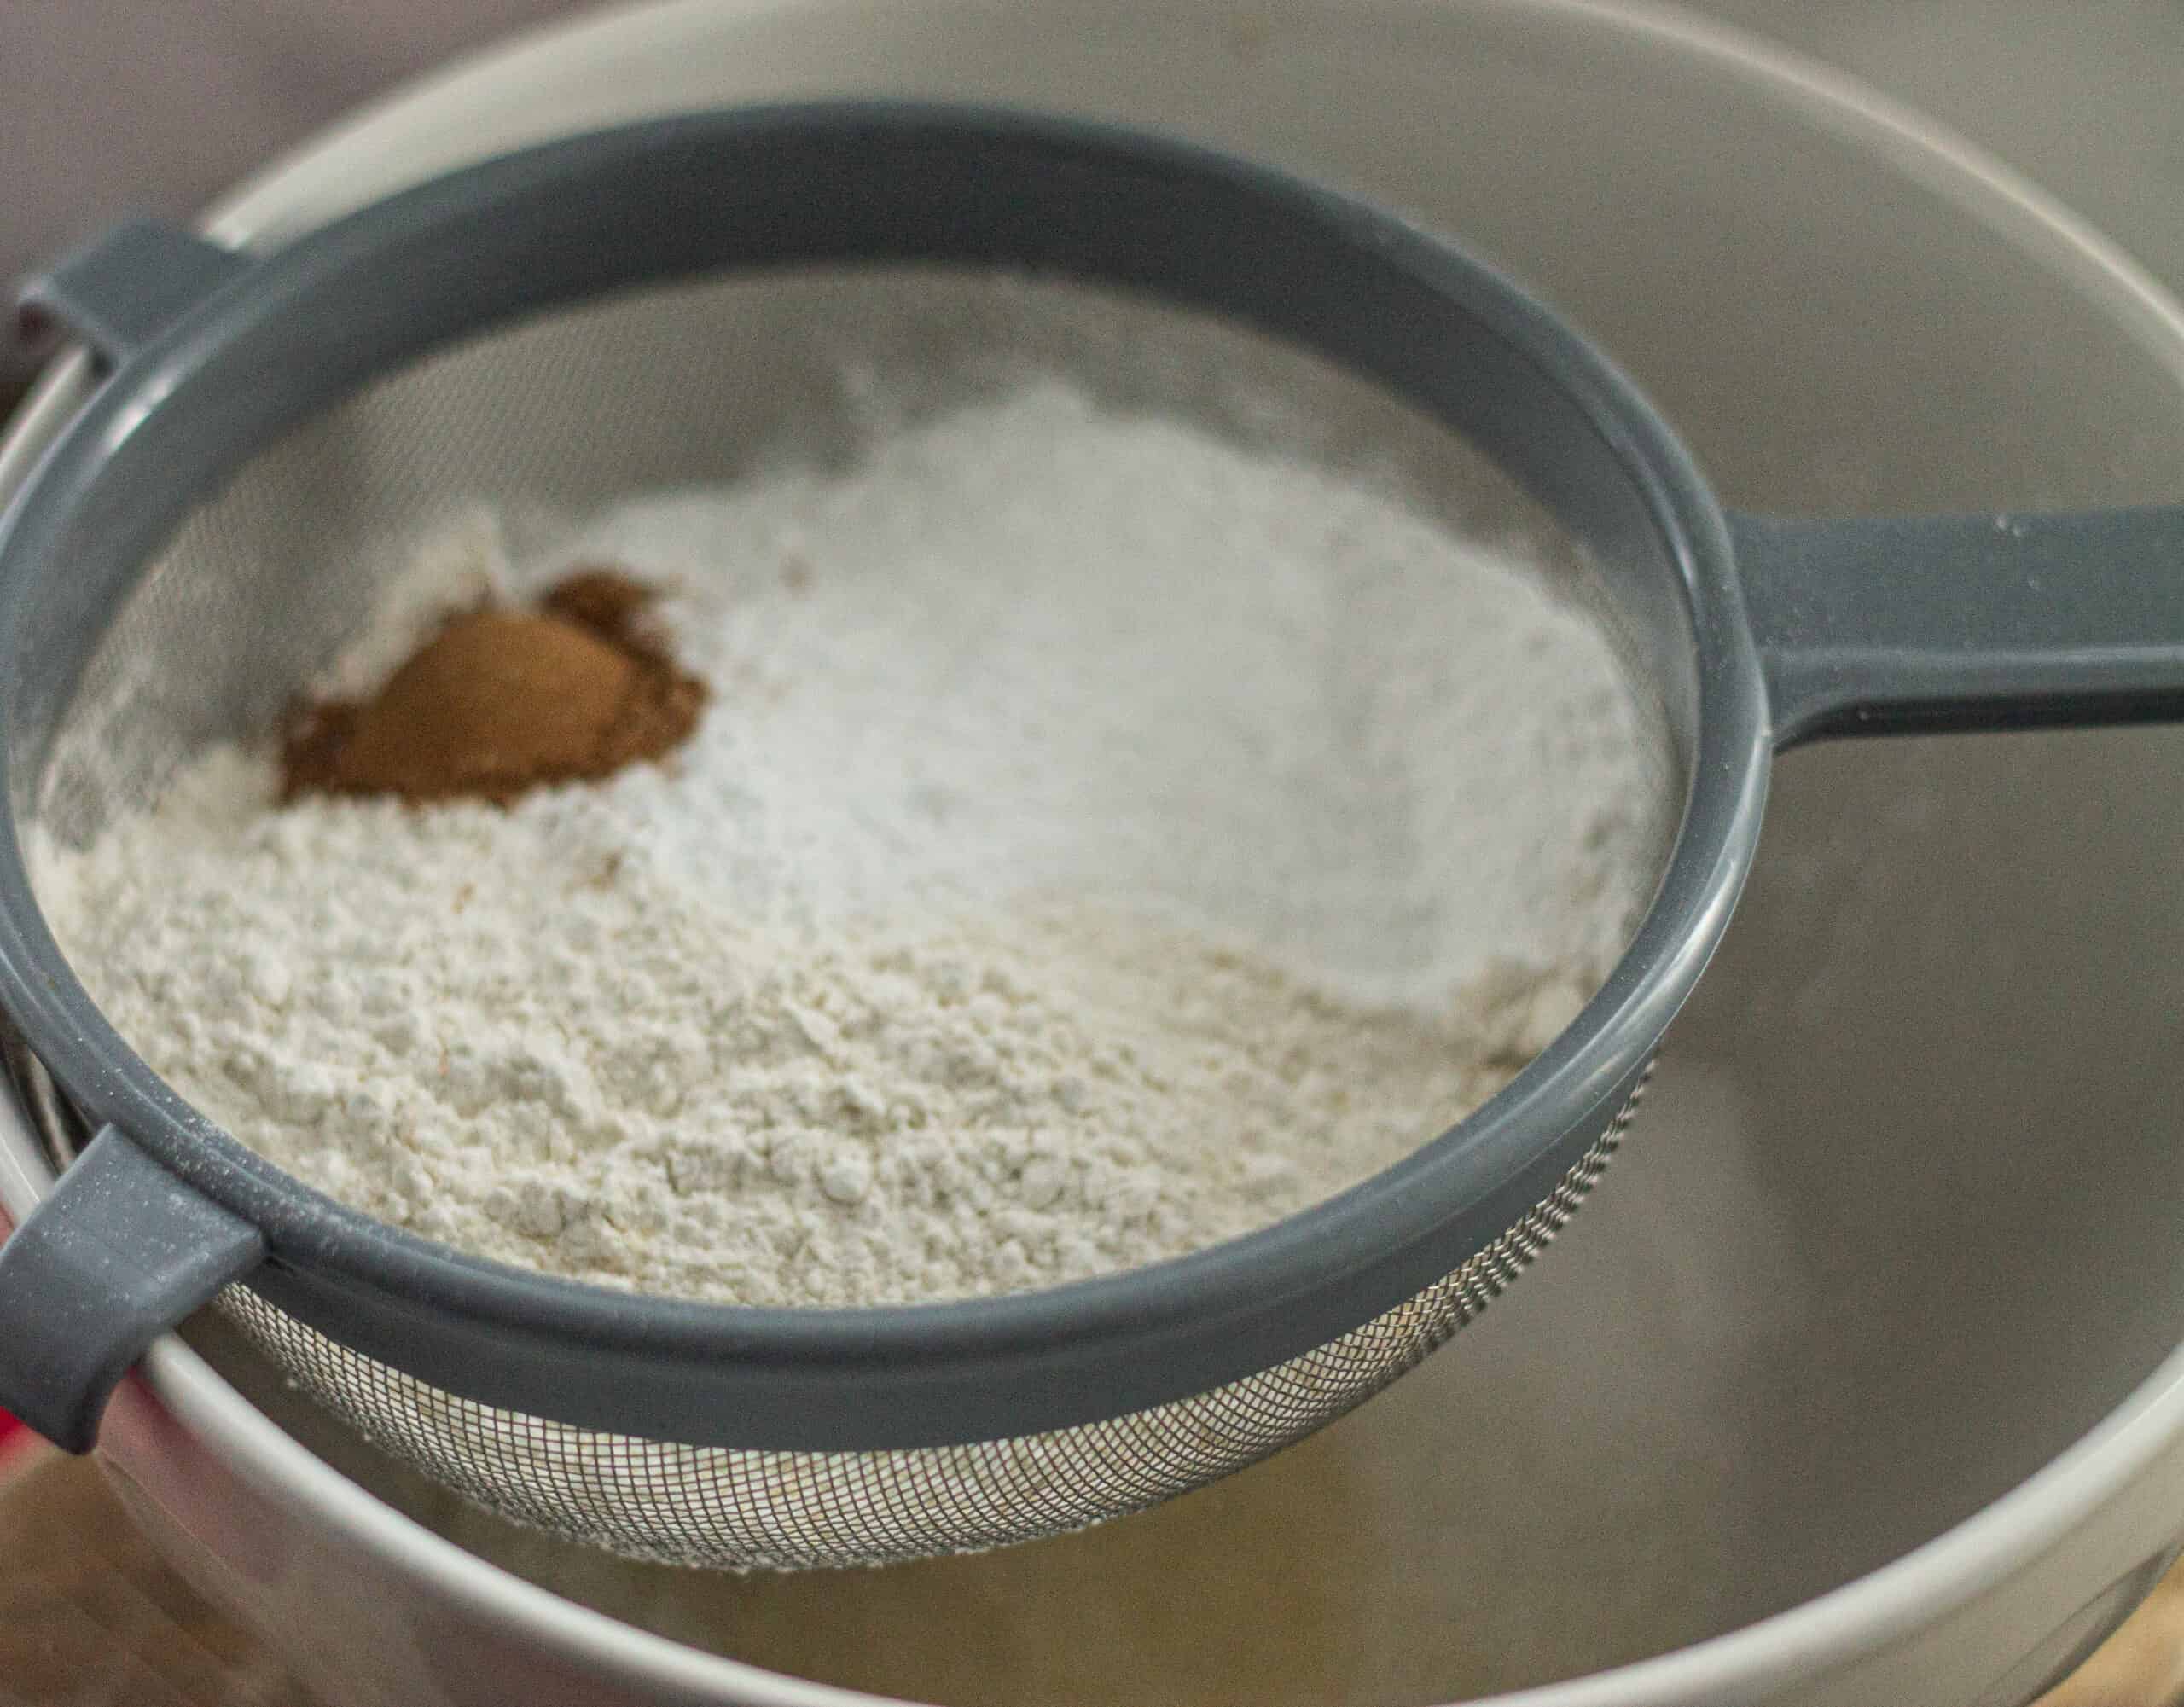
(1859, 1617)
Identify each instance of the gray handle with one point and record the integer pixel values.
(1981, 622)
(121, 1251)
(121, 289)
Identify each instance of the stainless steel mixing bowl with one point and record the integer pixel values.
(1862, 1382)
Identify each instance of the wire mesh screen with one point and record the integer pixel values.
(685, 385)
(696, 385)
(739, 1510)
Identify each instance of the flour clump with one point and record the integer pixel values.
(1099, 840)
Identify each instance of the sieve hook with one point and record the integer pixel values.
(120, 1252)
(122, 289)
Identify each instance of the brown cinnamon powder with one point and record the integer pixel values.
(501, 701)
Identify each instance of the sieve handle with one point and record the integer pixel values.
(120, 1252)
(1890, 626)
(122, 289)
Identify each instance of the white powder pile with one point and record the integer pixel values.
(1103, 841)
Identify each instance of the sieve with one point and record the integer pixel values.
(151, 596)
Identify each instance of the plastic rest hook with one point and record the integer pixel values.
(121, 1251)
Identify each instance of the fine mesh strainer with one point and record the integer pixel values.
(199, 540)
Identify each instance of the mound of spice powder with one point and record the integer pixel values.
(500, 701)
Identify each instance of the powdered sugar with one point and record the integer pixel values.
(1102, 842)
(1033, 648)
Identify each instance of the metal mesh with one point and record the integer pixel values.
(788, 1511)
(685, 386)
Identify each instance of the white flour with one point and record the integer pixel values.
(1101, 842)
